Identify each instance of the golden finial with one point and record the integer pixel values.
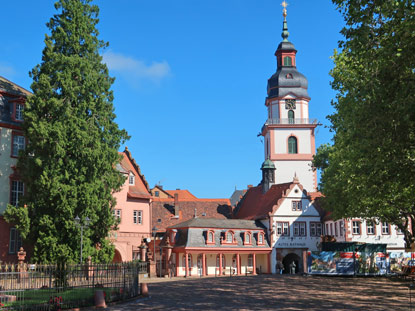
(284, 10)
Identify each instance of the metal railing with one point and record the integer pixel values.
(53, 287)
(287, 121)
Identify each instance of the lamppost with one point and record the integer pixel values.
(82, 225)
(154, 230)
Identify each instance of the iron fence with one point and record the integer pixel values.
(55, 287)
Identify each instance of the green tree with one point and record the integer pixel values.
(69, 164)
(369, 171)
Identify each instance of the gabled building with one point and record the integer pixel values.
(133, 211)
(206, 246)
(12, 102)
(292, 219)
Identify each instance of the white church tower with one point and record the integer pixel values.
(289, 139)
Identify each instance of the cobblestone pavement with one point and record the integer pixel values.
(273, 292)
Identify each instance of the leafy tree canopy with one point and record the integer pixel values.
(69, 164)
(369, 171)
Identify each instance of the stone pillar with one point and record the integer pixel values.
(204, 264)
(305, 267)
(220, 264)
(177, 264)
(143, 248)
(90, 268)
(238, 264)
(21, 256)
(187, 264)
(167, 253)
(254, 263)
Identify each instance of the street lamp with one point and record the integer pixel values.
(82, 225)
(154, 230)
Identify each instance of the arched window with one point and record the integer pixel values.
(260, 238)
(247, 238)
(210, 236)
(229, 237)
(292, 145)
(287, 61)
(291, 117)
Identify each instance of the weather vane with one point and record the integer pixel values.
(284, 10)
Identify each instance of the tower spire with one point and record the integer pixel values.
(285, 32)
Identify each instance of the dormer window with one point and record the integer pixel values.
(210, 237)
(229, 238)
(131, 179)
(18, 112)
(247, 238)
(261, 239)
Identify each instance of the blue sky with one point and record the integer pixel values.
(191, 78)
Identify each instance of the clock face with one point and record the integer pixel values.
(290, 104)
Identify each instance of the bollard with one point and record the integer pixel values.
(99, 297)
(144, 289)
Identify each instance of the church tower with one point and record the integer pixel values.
(289, 140)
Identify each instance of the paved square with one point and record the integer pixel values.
(274, 292)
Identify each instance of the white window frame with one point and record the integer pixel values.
(300, 229)
(296, 206)
(117, 214)
(16, 192)
(260, 238)
(341, 227)
(386, 228)
(229, 237)
(18, 115)
(282, 228)
(138, 217)
(18, 144)
(356, 227)
(247, 238)
(211, 236)
(315, 229)
(131, 179)
(370, 227)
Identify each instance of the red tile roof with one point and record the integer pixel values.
(141, 189)
(256, 205)
(183, 194)
(163, 210)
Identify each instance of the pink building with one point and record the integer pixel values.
(133, 211)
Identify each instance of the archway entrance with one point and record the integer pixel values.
(117, 256)
(291, 263)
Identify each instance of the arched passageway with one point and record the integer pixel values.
(291, 263)
(117, 256)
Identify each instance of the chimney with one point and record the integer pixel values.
(249, 186)
(161, 187)
(176, 205)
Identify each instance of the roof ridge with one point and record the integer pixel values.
(137, 167)
(20, 88)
